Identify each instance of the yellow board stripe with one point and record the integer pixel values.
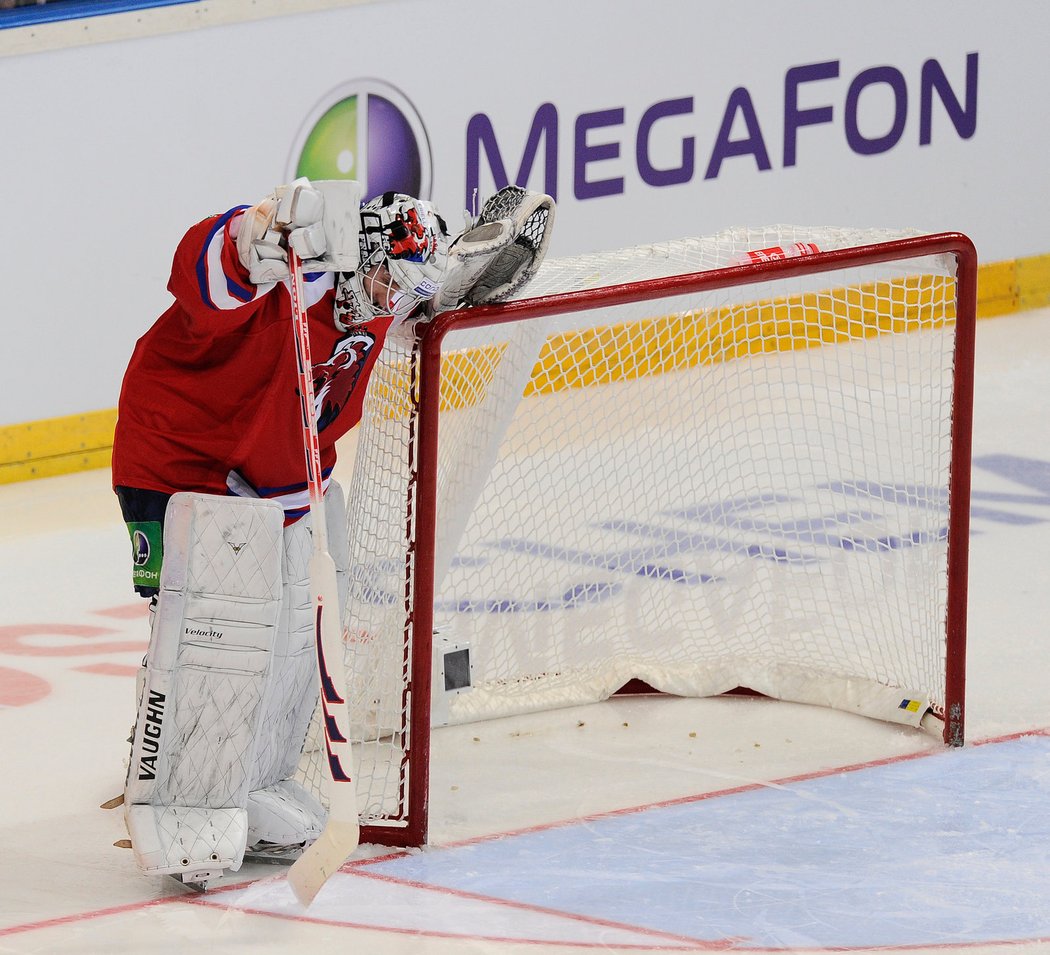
(639, 349)
(646, 347)
(1013, 286)
(56, 446)
(84, 441)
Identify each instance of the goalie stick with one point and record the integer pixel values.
(342, 831)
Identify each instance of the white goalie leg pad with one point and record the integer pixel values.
(206, 667)
(280, 811)
(283, 816)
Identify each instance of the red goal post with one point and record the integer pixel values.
(813, 372)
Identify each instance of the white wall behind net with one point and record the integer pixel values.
(691, 120)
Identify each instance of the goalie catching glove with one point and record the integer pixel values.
(319, 220)
(501, 251)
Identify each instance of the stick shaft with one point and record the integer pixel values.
(341, 832)
(304, 369)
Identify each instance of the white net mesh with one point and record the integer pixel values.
(742, 487)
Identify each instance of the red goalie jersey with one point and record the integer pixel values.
(210, 401)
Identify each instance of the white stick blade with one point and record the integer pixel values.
(323, 859)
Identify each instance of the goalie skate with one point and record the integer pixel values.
(198, 880)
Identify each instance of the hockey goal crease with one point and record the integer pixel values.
(730, 462)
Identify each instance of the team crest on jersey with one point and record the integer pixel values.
(336, 378)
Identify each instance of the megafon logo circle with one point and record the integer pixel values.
(140, 548)
(366, 130)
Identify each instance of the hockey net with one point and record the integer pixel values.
(659, 468)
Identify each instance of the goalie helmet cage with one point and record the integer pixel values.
(706, 465)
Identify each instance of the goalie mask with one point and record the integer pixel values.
(404, 260)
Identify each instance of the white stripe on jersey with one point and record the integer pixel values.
(315, 286)
(297, 500)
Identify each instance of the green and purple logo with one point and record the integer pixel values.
(369, 131)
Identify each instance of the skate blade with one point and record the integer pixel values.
(275, 855)
(198, 880)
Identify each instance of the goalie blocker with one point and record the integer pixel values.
(227, 690)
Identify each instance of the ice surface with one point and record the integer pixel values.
(634, 825)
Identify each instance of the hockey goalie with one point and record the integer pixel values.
(208, 468)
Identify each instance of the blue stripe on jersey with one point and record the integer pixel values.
(291, 488)
(239, 291)
(293, 498)
(202, 263)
